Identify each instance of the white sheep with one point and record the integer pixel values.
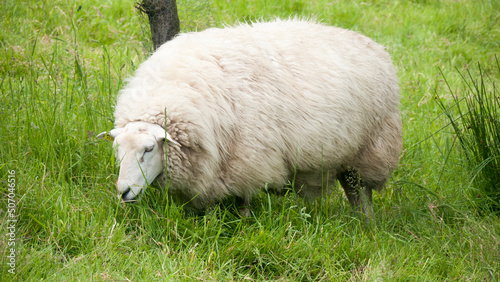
(267, 103)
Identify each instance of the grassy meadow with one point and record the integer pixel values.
(61, 66)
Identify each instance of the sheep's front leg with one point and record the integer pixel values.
(244, 206)
(359, 196)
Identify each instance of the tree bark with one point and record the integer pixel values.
(163, 19)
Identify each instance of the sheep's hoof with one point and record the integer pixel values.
(245, 212)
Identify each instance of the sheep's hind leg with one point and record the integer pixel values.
(359, 195)
(244, 206)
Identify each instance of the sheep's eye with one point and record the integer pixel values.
(149, 149)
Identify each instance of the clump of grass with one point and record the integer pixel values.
(475, 119)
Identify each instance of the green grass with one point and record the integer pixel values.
(475, 119)
(61, 66)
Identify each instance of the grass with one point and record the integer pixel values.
(477, 128)
(62, 63)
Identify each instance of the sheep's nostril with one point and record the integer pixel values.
(125, 193)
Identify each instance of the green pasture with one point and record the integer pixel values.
(61, 66)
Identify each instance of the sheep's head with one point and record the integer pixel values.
(139, 153)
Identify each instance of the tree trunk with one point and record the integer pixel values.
(163, 19)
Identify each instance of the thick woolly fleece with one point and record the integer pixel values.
(267, 103)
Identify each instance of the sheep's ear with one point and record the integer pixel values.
(161, 134)
(111, 135)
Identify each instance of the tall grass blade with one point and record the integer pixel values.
(475, 119)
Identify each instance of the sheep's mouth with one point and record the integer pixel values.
(131, 201)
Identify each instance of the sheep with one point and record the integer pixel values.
(261, 104)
